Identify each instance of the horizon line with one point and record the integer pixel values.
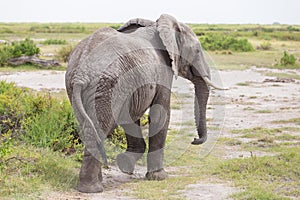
(99, 22)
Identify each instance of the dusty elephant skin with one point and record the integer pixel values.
(114, 76)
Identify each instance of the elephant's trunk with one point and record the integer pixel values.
(201, 97)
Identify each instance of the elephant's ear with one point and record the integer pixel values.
(169, 29)
(134, 24)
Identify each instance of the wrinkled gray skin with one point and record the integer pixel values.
(113, 77)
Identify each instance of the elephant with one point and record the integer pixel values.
(114, 76)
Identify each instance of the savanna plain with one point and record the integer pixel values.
(253, 149)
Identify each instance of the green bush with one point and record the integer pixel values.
(287, 59)
(265, 45)
(291, 28)
(5, 54)
(38, 120)
(55, 42)
(115, 26)
(26, 47)
(64, 53)
(22, 48)
(214, 42)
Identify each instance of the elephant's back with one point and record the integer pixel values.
(87, 45)
(83, 50)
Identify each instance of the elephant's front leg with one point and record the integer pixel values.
(136, 147)
(159, 121)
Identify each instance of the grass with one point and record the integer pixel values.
(264, 111)
(229, 141)
(243, 84)
(249, 108)
(283, 75)
(244, 60)
(27, 171)
(268, 139)
(269, 177)
(257, 132)
(28, 67)
(286, 121)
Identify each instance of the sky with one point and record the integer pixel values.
(188, 11)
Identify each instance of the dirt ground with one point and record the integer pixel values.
(250, 91)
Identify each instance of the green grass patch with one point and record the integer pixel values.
(269, 140)
(291, 129)
(269, 177)
(256, 132)
(263, 111)
(175, 106)
(19, 68)
(55, 42)
(253, 97)
(283, 75)
(286, 121)
(287, 137)
(29, 67)
(243, 84)
(249, 108)
(27, 171)
(229, 141)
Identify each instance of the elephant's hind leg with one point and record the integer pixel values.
(136, 147)
(89, 181)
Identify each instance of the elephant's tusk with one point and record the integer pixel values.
(210, 83)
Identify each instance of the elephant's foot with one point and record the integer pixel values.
(157, 175)
(90, 175)
(126, 162)
(90, 188)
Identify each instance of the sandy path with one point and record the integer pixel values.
(37, 80)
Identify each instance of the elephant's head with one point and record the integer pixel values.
(187, 61)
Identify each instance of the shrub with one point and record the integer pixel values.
(64, 53)
(115, 26)
(38, 120)
(55, 42)
(265, 46)
(267, 30)
(224, 42)
(287, 59)
(5, 54)
(291, 28)
(26, 47)
(52, 125)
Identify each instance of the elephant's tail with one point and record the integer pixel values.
(87, 123)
